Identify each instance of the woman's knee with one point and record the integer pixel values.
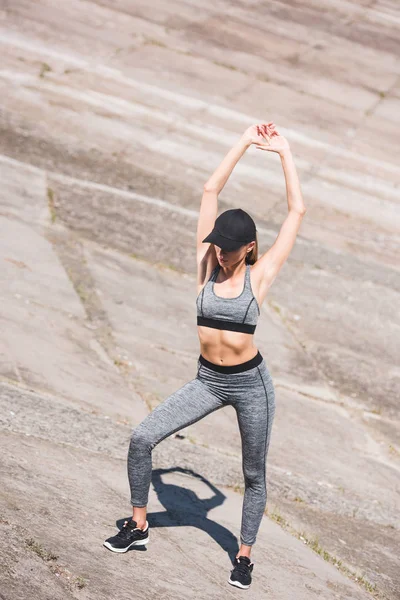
(255, 479)
(140, 440)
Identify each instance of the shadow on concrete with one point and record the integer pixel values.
(183, 508)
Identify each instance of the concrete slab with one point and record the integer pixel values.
(195, 533)
(112, 119)
(49, 351)
(45, 341)
(35, 276)
(23, 193)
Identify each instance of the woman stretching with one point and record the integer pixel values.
(232, 284)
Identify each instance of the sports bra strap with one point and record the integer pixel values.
(247, 277)
(215, 272)
(247, 282)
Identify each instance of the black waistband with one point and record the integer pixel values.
(245, 366)
(223, 324)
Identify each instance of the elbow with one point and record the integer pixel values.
(299, 211)
(302, 211)
(207, 187)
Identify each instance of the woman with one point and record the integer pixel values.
(232, 285)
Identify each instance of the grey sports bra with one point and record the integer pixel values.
(235, 314)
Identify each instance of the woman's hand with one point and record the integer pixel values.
(255, 134)
(271, 139)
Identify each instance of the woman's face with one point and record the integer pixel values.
(228, 259)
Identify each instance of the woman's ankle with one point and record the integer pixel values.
(139, 514)
(244, 550)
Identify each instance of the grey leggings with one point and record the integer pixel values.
(249, 389)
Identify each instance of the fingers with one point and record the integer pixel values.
(266, 128)
(269, 129)
(263, 132)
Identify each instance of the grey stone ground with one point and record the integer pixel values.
(112, 117)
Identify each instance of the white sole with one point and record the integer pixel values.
(135, 543)
(238, 584)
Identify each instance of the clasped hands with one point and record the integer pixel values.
(265, 136)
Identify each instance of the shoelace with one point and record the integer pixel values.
(242, 567)
(125, 530)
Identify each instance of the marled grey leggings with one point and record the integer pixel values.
(249, 389)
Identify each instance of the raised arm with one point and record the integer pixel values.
(206, 260)
(269, 264)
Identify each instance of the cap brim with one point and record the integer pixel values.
(223, 242)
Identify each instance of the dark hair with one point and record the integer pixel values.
(252, 256)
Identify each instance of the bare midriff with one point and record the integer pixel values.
(226, 348)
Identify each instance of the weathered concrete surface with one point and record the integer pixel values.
(112, 117)
(45, 340)
(183, 523)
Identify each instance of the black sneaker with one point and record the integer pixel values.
(241, 573)
(129, 535)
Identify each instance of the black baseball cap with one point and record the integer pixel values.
(232, 229)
